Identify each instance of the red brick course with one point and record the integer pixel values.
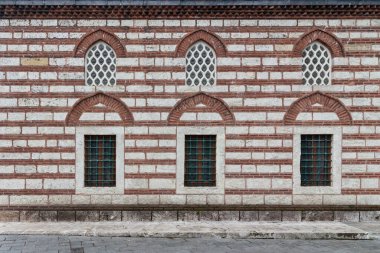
(86, 103)
(329, 40)
(329, 103)
(213, 40)
(213, 104)
(99, 35)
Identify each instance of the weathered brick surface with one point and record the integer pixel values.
(291, 216)
(66, 216)
(110, 215)
(48, 216)
(164, 216)
(137, 215)
(188, 215)
(30, 216)
(9, 216)
(208, 215)
(229, 215)
(317, 216)
(87, 216)
(269, 215)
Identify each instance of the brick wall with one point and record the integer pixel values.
(258, 80)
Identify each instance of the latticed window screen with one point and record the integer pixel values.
(200, 160)
(316, 160)
(100, 160)
(200, 65)
(100, 65)
(316, 65)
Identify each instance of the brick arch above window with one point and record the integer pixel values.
(329, 40)
(108, 101)
(328, 103)
(213, 40)
(99, 35)
(212, 104)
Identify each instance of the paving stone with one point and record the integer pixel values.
(188, 215)
(9, 215)
(270, 215)
(249, 215)
(87, 216)
(30, 216)
(291, 215)
(110, 215)
(164, 216)
(228, 215)
(136, 215)
(66, 215)
(48, 215)
(208, 215)
(317, 215)
(346, 216)
(370, 216)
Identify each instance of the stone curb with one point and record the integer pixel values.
(235, 230)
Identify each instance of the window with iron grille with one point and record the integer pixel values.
(100, 160)
(100, 65)
(200, 65)
(200, 160)
(316, 64)
(316, 160)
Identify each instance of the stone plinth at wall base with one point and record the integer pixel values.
(185, 215)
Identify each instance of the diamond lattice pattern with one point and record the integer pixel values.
(316, 64)
(100, 65)
(200, 65)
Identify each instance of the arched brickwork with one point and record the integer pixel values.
(187, 103)
(329, 103)
(214, 41)
(329, 40)
(110, 102)
(99, 35)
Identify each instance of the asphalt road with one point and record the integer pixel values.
(79, 244)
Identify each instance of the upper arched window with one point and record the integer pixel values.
(316, 64)
(200, 65)
(100, 65)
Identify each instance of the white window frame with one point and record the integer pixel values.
(79, 161)
(215, 65)
(330, 65)
(336, 157)
(87, 73)
(220, 160)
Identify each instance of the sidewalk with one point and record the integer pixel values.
(233, 229)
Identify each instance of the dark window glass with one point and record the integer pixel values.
(316, 160)
(100, 160)
(200, 160)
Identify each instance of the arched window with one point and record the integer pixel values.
(100, 65)
(316, 64)
(200, 65)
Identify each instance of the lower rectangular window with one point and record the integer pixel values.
(316, 160)
(100, 160)
(200, 160)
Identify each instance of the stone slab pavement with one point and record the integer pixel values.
(209, 229)
(93, 244)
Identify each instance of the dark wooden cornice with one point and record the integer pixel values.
(181, 11)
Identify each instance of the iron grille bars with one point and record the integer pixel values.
(200, 160)
(100, 160)
(316, 160)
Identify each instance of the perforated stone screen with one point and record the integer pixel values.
(200, 65)
(100, 65)
(316, 65)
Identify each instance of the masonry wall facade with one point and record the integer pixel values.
(259, 102)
